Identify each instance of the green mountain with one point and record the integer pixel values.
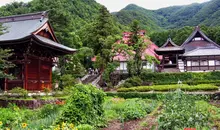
(207, 13)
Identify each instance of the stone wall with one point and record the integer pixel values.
(31, 104)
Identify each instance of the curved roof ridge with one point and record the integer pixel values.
(22, 17)
(169, 40)
(197, 30)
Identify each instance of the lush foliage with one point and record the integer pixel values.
(180, 111)
(214, 111)
(188, 77)
(14, 117)
(130, 109)
(131, 82)
(185, 87)
(20, 91)
(4, 63)
(84, 106)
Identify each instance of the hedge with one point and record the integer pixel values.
(187, 77)
(156, 96)
(203, 87)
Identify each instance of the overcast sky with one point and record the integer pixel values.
(116, 5)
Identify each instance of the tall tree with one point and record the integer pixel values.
(102, 36)
(139, 45)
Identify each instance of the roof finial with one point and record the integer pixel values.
(43, 15)
(169, 37)
(198, 28)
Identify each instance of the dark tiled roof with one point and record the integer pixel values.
(198, 44)
(166, 48)
(212, 51)
(189, 44)
(169, 40)
(51, 43)
(21, 26)
(170, 49)
(18, 27)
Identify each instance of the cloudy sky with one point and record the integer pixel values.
(116, 5)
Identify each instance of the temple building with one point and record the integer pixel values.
(35, 51)
(197, 54)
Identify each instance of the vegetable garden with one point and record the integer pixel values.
(88, 108)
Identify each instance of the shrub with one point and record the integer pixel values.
(67, 80)
(126, 85)
(133, 81)
(84, 106)
(20, 91)
(180, 112)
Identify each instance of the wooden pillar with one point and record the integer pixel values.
(38, 76)
(215, 62)
(25, 80)
(50, 76)
(191, 63)
(5, 84)
(177, 64)
(163, 62)
(208, 62)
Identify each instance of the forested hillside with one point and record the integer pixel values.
(172, 17)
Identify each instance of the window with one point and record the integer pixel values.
(217, 62)
(195, 63)
(203, 62)
(188, 63)
(211, 63)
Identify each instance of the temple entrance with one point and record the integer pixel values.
(170, 52)
(170, 61)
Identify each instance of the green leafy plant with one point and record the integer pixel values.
(180, 111)
(20, 91)
(131, 82)
(84, 106)
(119, 108)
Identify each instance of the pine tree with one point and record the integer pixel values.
(4, 63)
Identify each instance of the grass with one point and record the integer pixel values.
(185, 87)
